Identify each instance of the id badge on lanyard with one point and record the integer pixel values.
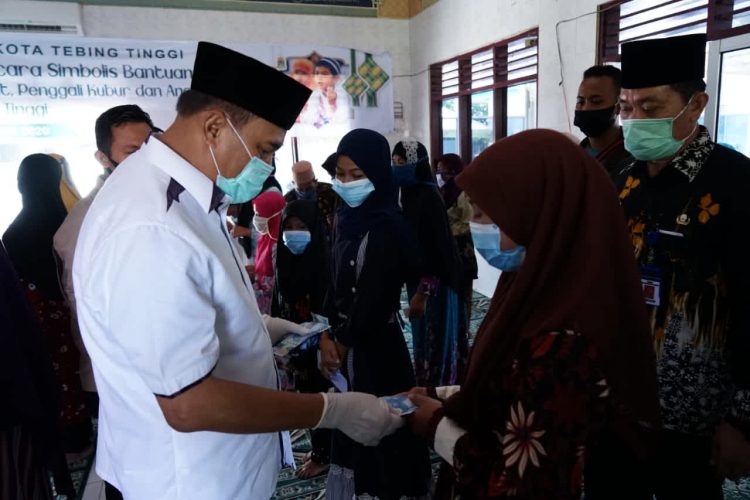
(652, 276)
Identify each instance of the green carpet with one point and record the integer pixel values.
(737, 491)
(79, 468)
(289, 486)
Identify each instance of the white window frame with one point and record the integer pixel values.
(716, 50)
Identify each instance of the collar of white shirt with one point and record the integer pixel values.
(189, 177)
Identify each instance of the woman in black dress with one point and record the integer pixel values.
(28, 241)
(372, 258)
(437, 300)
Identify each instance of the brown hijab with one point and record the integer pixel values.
(548, 195)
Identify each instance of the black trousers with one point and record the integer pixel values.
(643, 464)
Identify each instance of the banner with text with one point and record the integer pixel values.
(52, 88)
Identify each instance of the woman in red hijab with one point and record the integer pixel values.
(565, 347)
(266, 221)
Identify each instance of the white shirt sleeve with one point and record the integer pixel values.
(446, 436)
(160, 307)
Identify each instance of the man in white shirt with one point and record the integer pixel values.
(182, 358)
(120, 131)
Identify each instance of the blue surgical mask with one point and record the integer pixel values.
(353, 193)
(248, 184)
(307, 194)
(486, 239)
(297, 241)
(652, 139)
(405, 175)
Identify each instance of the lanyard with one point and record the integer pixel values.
(611, 147)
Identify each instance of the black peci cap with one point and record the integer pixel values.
(248, 83)
(663, 61)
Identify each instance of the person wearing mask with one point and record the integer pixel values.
(685, 202)
(458, 208)
(307, 187)
(267, 220)
(119, 131)
(302, 263)
(596, 112)
(30, 444)
(373, 256)
(437, 299)
(189, 399)
(242, 216)
(28, 241)
(564, 347)
(302, 283)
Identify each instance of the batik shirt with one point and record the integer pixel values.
(689, 226)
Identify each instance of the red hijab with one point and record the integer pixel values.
(579, 274)
(269, 204)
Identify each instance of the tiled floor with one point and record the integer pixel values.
(94, 486)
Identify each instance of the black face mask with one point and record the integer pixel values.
(594, 123)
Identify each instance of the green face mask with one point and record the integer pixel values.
(652, 139)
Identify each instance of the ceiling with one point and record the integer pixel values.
(393, 9)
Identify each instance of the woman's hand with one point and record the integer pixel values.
(331, 355)
(419, 421)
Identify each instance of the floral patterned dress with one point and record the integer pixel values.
(54, 317)
(544, 407)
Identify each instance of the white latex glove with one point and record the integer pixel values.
(279, 328)
(363, 417)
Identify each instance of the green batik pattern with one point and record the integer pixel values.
(355, 86)
(375, 77)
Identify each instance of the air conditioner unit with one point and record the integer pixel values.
(8, 26)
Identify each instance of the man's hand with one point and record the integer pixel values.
(363, 417)
(419, 421)
(731, 452)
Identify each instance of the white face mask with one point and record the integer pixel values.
(261, 223)
(440, 180)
